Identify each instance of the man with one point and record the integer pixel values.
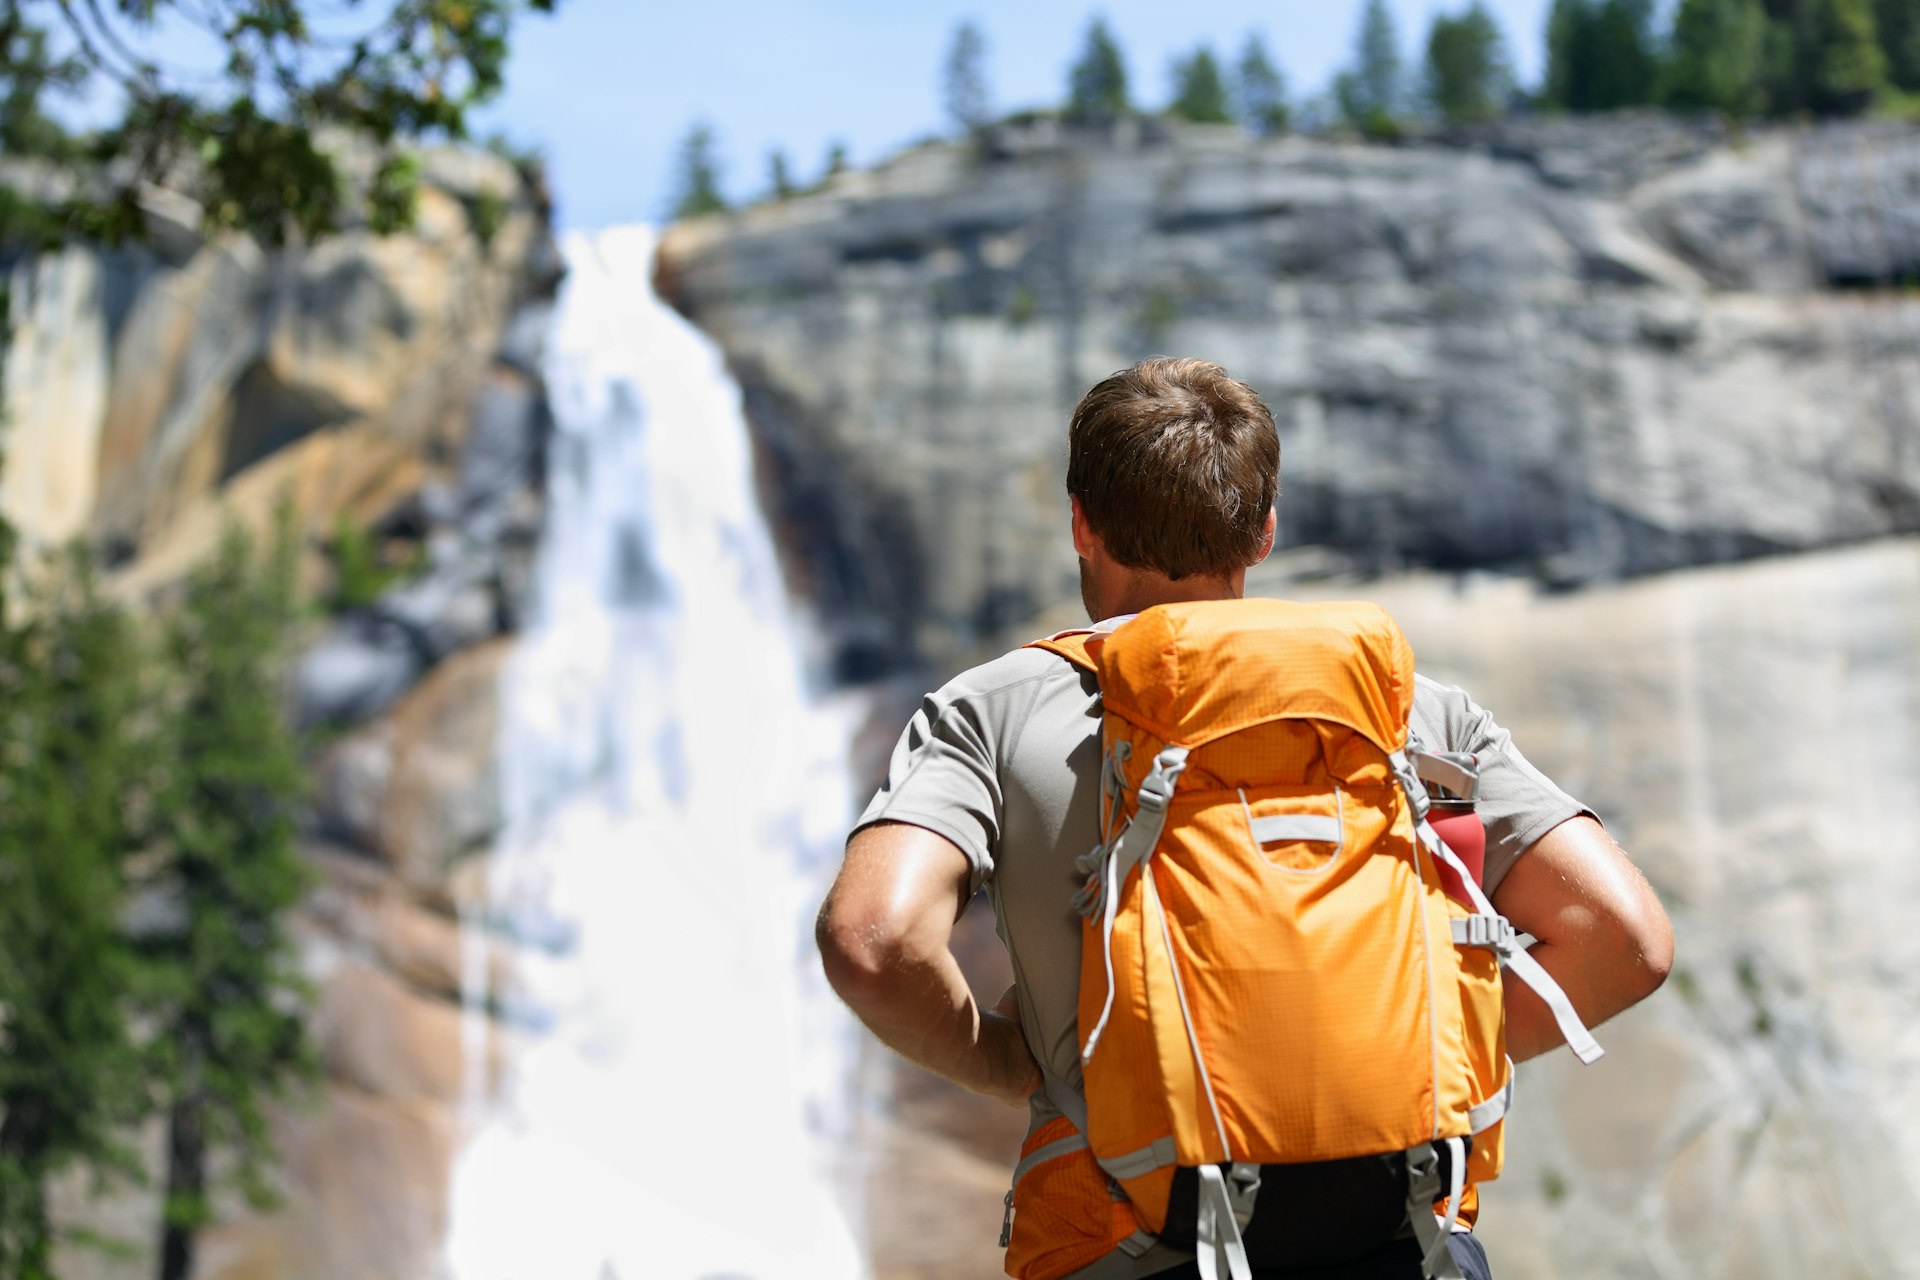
(1172, 473)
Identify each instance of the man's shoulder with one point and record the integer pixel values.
(1441, 703)
(1008, 675)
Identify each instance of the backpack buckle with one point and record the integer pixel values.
(1156, 789)
(1409, 779)
(1494, 932)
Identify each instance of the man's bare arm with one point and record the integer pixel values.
(884, 932)
(1603, 935)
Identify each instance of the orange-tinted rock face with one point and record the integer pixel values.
(153, 394)
(144, 384)
(367, 1178)
(444, 795)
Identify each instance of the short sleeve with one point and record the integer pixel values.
(1518, 804)
(942, 777)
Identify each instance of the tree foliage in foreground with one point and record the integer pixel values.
(247, 136)
(226, 995)
(72, 771)
(169, 780)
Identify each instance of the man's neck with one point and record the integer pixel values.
(1142, 589)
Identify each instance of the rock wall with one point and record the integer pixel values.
(1572, 349)
(1736, 727)
(154, 393)
(154, 389)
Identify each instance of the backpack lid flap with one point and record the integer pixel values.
(1199, 670)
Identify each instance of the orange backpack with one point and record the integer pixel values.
(1281, 1001)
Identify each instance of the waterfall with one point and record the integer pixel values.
(675, 802)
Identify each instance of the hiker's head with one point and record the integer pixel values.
(1173, 467)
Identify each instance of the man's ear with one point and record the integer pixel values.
(1266, 536)
(1084, 538)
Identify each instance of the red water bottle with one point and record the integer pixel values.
(1458, 827)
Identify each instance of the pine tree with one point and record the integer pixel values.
(696, 174)
(1718, 59)
(837, 161)
(1199, 92)
(963, 80)
(1823, 57)
(1371, 92)
(1260, 92)
(1899, 24)
(1601, 55)
(1567, 21)
(1468, 79)
(70, 760)
(1785, 75)
(226, 996)
(779, 176)
(1627, 65)
(1097, 84)
(1846, 67)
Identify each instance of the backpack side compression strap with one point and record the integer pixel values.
(1502, 940)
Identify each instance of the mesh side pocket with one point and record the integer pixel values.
(1064, 1216)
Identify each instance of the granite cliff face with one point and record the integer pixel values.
(1577, 350)
(1735, 726)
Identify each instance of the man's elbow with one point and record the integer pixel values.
(857, 952)
(889, 916)
(1648, 939)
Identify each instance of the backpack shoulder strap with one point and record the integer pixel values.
(1071, 645)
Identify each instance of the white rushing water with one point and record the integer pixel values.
(674, 802)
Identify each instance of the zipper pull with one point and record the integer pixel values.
(1006, 1223)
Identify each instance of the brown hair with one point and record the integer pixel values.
(1176, 466)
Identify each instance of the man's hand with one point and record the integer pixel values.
(1601, 932)
(884, 932)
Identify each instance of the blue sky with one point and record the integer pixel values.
(606, 88)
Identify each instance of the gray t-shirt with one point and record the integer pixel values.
(1004, 762)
